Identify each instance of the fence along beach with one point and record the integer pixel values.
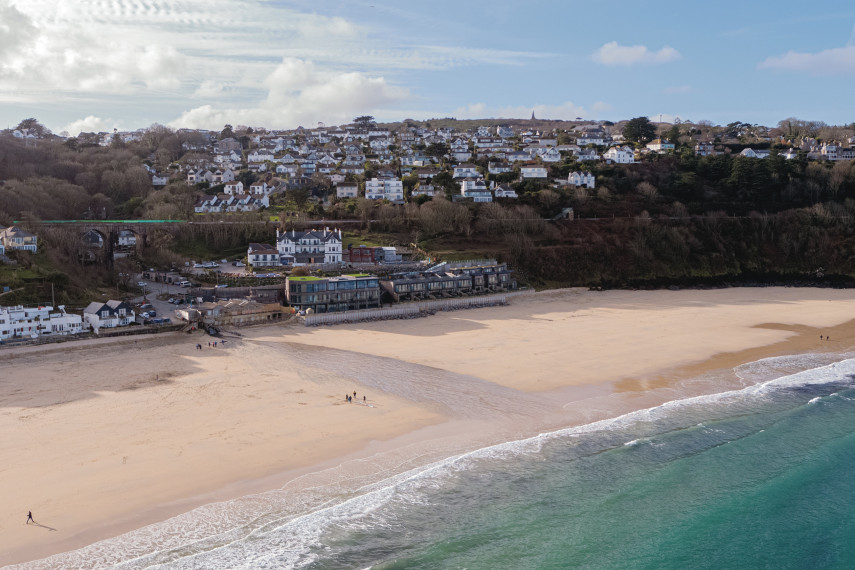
(107, 439)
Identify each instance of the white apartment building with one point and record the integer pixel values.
(384, 189)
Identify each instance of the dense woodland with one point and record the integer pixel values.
(671, 219)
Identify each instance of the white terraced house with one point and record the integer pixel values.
(26, 322)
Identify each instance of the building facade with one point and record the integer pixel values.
(309, 247)
(453, 279)
(333, 294)
(108, 315)
(15, 239)
(26, 322)
(384, 189)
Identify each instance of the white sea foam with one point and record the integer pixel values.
(257, 532)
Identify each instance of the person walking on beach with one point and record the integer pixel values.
(364, 399)
(30, 517)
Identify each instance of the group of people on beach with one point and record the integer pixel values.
(211, 344)
(826, 337)
(348, 398)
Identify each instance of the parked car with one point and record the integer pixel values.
(152, 313)
(222, 286)
(144, 315)
(170, 300)
(239, 264)
(141, 284)
(145, 306)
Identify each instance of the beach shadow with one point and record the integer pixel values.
(40, 525)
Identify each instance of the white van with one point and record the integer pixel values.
(183, 284)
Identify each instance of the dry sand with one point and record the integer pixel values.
(102, 438)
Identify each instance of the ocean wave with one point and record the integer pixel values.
(259, 532)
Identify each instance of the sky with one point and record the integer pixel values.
(95, 65)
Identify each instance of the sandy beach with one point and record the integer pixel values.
(102, 438)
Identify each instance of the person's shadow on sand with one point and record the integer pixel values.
(40, 525)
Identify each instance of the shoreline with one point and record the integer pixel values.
(439, 436)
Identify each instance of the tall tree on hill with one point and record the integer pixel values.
(639, 129)
(364, 120)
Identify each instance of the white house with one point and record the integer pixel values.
(346, 191)
(591, 138)
(234, 188)
(127, 238)
(259, 188)
(475, 189)
(754, 153)
(499, 168)
(581, 179)
(505, 191)
(830, 151)
(587, 154)
(108, 315)
(704, 149)
(262, 255)
(207, 204)
(14, 238)
(466, 170)
(309, 247)
(533, 171)
(259, 156)
(620, 155)
(25, 322)
(424, 189)
(384, 189)
(159, 180)
(504, 132)
(660, 145)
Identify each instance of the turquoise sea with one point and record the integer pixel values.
(759, 477)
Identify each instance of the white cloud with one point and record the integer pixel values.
(567, 111)
(90, 124)
(834, 61)
(209, 89)
(39, 59)
(613, 53)
(298, 92)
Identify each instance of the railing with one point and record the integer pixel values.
(411, 310)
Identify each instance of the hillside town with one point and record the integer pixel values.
(247, 169)
(269, 174)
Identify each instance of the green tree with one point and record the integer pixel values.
(674, 135)
(437, 150)
(364, 120)
(639, 129)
